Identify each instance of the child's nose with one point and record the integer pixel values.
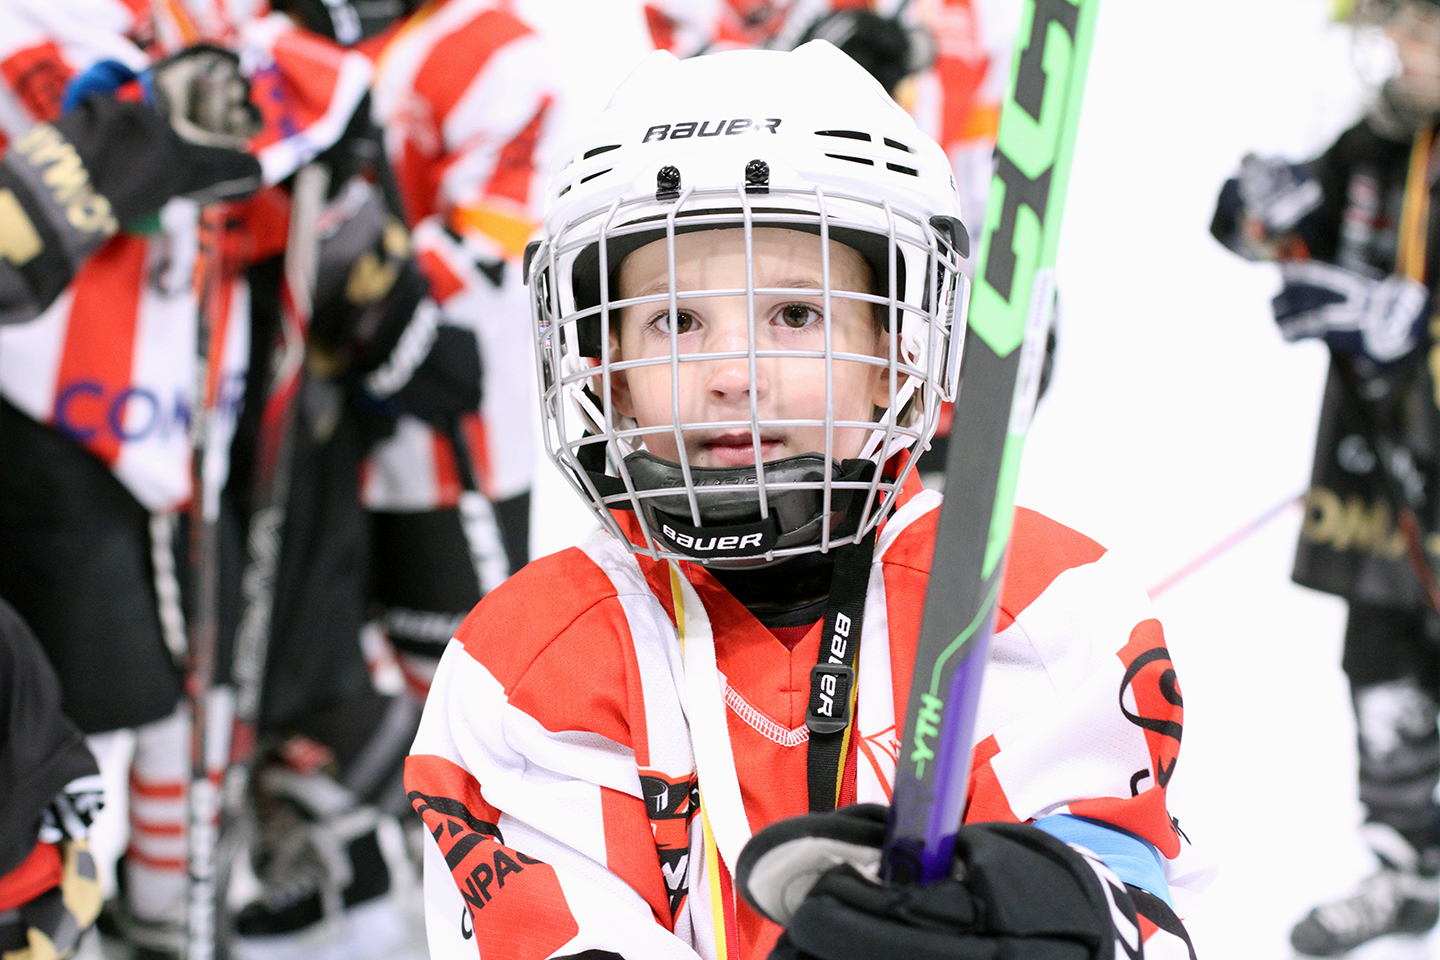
(729, 376)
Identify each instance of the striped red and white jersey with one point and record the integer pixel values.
(112, 362)
(465, 92)
(559, 764)
(957, 100)
(42, 45)
(688, 28)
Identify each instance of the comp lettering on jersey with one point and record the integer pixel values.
(685, 129)
(88, 410)
(504, 889)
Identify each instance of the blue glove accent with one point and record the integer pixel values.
(1134, 860)
(105, 78)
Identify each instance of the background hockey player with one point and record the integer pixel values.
(331, 787)
(1353, 233)
(736, 375)
(465, 98)
(98, 395)
(466, 95)
(50, 791)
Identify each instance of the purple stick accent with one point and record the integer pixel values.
(952, 756)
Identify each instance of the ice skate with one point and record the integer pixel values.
(1395, 906)
(330, 871)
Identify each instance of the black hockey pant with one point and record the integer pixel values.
(1394, 672)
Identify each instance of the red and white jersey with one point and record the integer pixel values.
(43, 45)
(112, 362)
(687, 28)
(465, 93)
(605, 731)
(957, 101)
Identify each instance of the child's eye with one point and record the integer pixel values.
(797, 316)
(684, 322)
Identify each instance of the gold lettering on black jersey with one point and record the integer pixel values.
(62, 170)
(19, 241)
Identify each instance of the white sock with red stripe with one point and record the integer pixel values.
(156, 861)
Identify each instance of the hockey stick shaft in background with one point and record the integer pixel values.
(1003, 353)
(274, 461)
(477, 517)
(1230, 540)
(274, 456)
(202, 798)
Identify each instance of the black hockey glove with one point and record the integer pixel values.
(1277, 194)
(1381, 318)
(374, 317)
(888, 49)
(1015, 891)
(206, 98)
(67, 187)
(1261, 212)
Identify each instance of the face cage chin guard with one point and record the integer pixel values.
(692, 513)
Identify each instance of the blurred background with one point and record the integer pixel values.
(1176, 416)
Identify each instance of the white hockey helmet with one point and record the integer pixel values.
(803, 140)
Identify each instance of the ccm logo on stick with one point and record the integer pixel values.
(710, 544)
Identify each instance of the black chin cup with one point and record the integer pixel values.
(728, 499)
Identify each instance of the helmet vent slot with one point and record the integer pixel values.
(896, 144)
(911, 171)
(844, 134)
(840, 156)
(596, 151)
(597, 173)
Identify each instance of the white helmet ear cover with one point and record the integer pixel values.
(805, 141)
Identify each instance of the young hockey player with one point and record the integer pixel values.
(1353, 232)
(464, 164)
(50, 791)
(747, 301)
(98, 393)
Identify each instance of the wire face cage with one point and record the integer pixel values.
(745, 411)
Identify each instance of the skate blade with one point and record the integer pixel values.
(1396, 946)
(365, 932)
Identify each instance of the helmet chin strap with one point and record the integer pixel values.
(731, 531)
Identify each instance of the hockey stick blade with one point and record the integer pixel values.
(1010, 311)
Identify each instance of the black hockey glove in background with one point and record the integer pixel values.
(206, 98)
(1015, 891)
(67, 187)
(888, 49)
(1382, 318)
(1277, 194)
(1262, 212)
(374, 316)
(139, 162)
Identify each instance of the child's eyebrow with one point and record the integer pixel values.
(662, 285)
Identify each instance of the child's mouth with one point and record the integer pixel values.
(738, 450)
